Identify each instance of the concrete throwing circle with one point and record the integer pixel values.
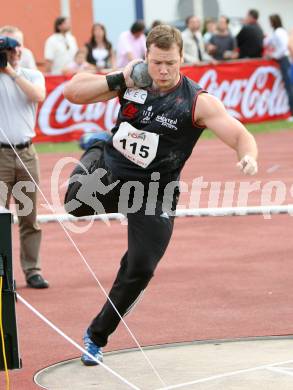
(241, 364)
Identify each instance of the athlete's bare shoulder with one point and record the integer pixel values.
(207, 106)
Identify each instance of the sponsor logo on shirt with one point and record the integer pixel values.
(137, 136)
(147, 115)
(130, 111)
(136, 95)
(167, 122)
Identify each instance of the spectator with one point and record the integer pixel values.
(156, 23)
(131, 44)
(250, 37)
(99, 50)
(209, 29)
(222, 45)
(193, 45)
(20, 91)
(290, 46)
(60, 47)
(278, 43)
(27, 59)
(79, 64)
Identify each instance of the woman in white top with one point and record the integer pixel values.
(278, 44)
(100, 51)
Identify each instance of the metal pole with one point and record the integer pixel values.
(8, 295)
(139, 9)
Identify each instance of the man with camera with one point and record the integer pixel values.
(20, 92)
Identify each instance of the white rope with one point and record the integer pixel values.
(200, 212)
(88, 266)
(61, 333)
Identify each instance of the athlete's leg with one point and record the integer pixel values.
(148, 238)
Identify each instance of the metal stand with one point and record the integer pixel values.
(8, 294)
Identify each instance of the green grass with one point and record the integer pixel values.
(254, 128)
(58, 147)
(268, 127)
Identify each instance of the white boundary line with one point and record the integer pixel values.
(67, 338)
(282, 370)
(225, 375)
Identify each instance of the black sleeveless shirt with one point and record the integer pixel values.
(169, 114)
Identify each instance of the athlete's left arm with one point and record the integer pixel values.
(211, 113)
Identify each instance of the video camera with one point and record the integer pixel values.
(6, 43)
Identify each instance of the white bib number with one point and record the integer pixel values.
(138, 146)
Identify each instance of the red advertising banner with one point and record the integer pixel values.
(252, 91)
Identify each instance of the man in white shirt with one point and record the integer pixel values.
(20, 92)
(27, 59)
(193, 44)
(131, 44)
(60, 47)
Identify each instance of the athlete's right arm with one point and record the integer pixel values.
(85, 88)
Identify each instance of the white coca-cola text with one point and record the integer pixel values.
(251, 97)
(70, 117)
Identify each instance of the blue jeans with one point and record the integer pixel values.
(285, 68)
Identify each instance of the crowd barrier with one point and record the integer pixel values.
(252, 91)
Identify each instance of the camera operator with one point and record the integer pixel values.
(21, 90)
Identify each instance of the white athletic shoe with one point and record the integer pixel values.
(290, 119)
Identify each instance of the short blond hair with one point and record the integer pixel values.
(14, 31)
(164, 36)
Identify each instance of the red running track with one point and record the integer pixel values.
(222, 277)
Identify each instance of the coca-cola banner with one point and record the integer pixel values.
(252, 91)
